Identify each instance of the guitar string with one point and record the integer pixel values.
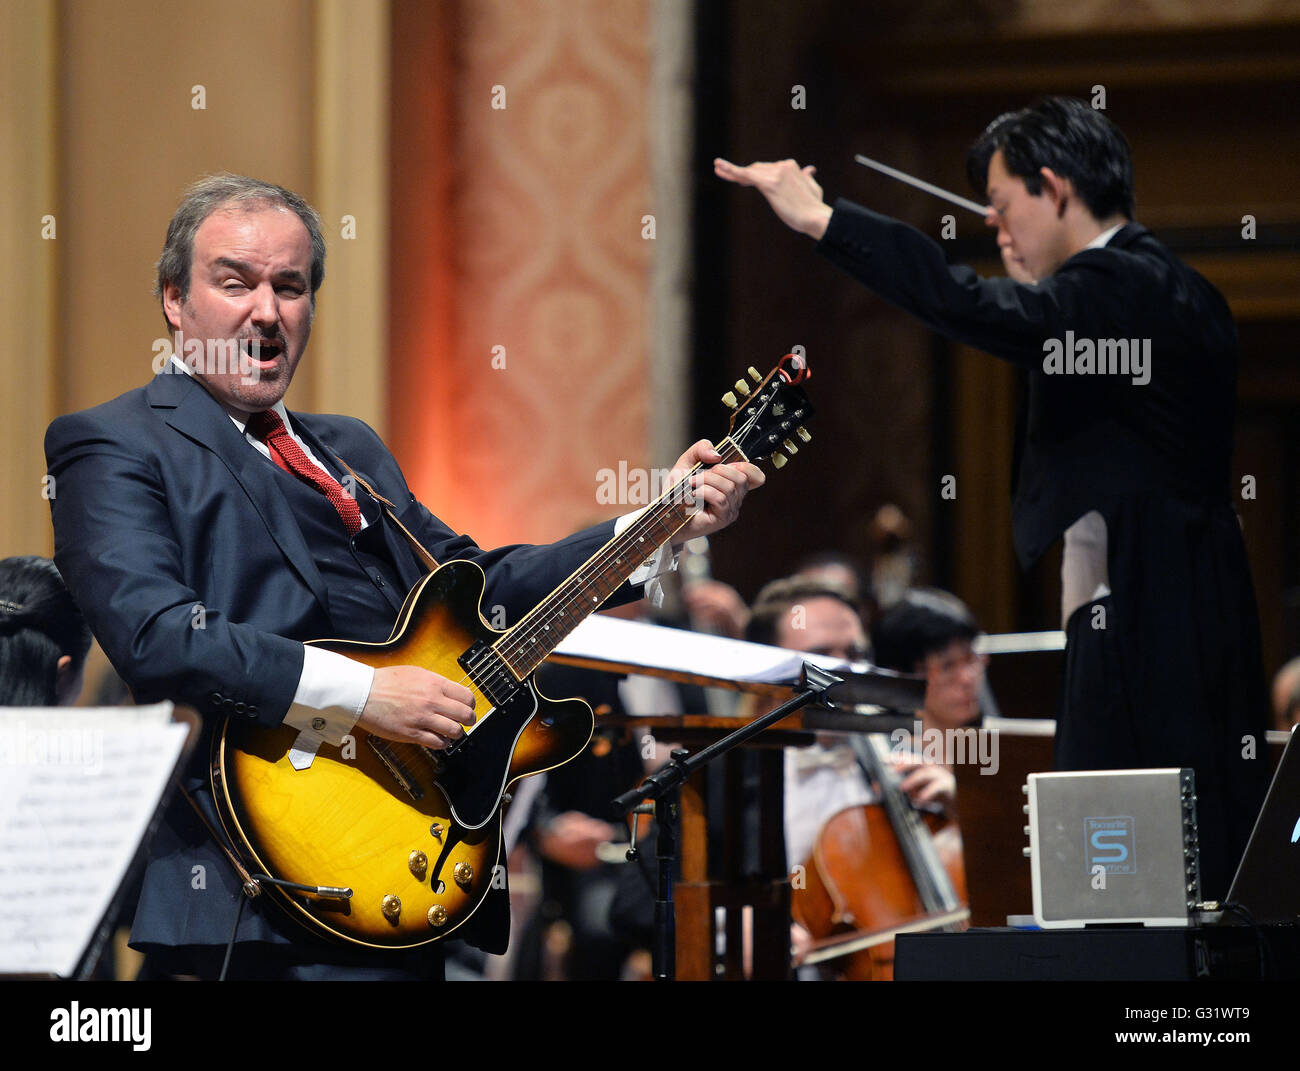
(514, 642)
(659, 512)
(524, 633)
(727, 449)
(640, 527)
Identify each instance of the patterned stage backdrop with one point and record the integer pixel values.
(549, 270)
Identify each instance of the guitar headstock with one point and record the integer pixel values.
(769, 421)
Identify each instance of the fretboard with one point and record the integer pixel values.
(524, 647)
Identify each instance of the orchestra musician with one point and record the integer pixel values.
(43, 637)
(927, 632)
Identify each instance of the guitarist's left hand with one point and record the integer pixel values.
(718, 491)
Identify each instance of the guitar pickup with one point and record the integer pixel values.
(489, 673)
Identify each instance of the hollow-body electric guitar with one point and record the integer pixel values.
(393, 845)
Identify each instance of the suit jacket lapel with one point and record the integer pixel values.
(409, 569)
(325, 453)
(186, 406)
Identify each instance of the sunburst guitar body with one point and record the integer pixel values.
(371, 816)
(393, 845)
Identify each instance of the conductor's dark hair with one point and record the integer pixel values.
(1075, 140)
(924, 622)
(39, 623)
(776, 598)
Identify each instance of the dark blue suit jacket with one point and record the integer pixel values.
(160, 507)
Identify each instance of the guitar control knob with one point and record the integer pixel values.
(729, 400)
(391, 907)
(419, 864)
(742, 388)
(437, 915)
(463, 873)
(778, 461)
(804, 434)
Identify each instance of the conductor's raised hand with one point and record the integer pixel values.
(717, 492)
(790, 189)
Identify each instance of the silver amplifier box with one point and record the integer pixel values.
(1113, 846)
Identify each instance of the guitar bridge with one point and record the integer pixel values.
(400, 773)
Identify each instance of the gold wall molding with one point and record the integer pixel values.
(28, 270)
(350, 339)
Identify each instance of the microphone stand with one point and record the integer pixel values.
(665, 788)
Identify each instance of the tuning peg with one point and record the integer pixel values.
(803, 434)
(753, 374)
(742, 388)
(790, 448)
(778, 461)
(729, 400)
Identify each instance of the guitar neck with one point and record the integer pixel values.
(525, 646)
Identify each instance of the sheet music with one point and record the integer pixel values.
(656, 647)
(77, 789)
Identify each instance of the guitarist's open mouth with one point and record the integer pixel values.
(260, 353)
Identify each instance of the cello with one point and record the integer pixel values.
(877, 870)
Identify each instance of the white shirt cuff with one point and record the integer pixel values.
(649, 572)
(331, 695)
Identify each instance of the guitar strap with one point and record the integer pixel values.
(425, 557)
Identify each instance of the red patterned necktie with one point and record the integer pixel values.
(286, 453)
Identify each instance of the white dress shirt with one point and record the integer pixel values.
(1085, 575)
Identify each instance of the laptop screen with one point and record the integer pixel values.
(1268, 880)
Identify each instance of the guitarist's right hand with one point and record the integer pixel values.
(412, 705)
